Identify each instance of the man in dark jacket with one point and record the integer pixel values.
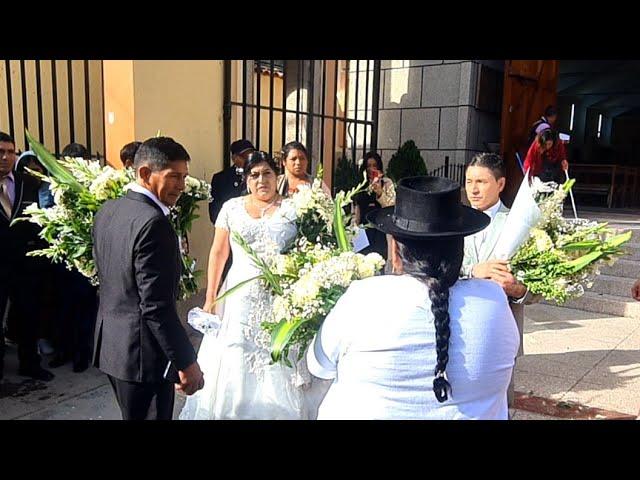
(229, 183)
(139, 337)
(19, 274)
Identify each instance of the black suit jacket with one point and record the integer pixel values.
(22, 237)
(225, 185)
(138, 330)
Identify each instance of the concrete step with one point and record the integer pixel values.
(633, 251)
(622, 268)
(611, 285)
(620, 306)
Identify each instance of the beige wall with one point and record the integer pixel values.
(20, 120)
(184, 100)
(118, 108)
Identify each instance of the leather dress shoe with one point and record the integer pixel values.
(38, 373)
(58, 360)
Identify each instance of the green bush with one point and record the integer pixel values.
(345, 176)
(406, 162)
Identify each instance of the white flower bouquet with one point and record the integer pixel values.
(553, 256)
(80, 187)
(314, 212)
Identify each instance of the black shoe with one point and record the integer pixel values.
(37, 373)
(80, 366)
(1, 369)
(58, 361)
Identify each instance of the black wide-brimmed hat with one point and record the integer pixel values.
(428, 207)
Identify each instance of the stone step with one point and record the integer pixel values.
(622, 268)
(620, 306)
(611, 285)
(633, 251)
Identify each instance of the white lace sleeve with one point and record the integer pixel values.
(223, 217)
(288, 209)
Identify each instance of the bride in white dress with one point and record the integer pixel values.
(240, 382)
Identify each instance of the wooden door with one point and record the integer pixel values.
(529, 87)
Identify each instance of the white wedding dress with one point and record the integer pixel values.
(240, 381)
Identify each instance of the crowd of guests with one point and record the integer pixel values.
(45, 309)
(379, 343)
(436, 338)
(435, 248)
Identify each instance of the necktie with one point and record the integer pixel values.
(5, 201)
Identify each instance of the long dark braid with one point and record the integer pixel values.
(437, 264)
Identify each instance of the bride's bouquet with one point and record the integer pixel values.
(80, 187)
(551, 255)
(308, 280)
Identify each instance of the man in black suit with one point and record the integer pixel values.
(229, 183)
(139, 337)
(19, 274)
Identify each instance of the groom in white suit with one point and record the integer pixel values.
(485, 180)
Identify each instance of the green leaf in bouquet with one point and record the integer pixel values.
(585, 245)
(583, 261)
(584, 233)
(339, 220)
(79, 252)
(281, 335)
(619, 240)
(267, 275)
(348, 198)
(338, 225)
(48, 236)
(610, 247)
(60, 173)
(566, 186)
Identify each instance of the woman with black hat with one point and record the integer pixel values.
(436, 347)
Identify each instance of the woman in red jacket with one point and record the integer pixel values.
(547, 158)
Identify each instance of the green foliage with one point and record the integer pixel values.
(345, 176)
(406, 162)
